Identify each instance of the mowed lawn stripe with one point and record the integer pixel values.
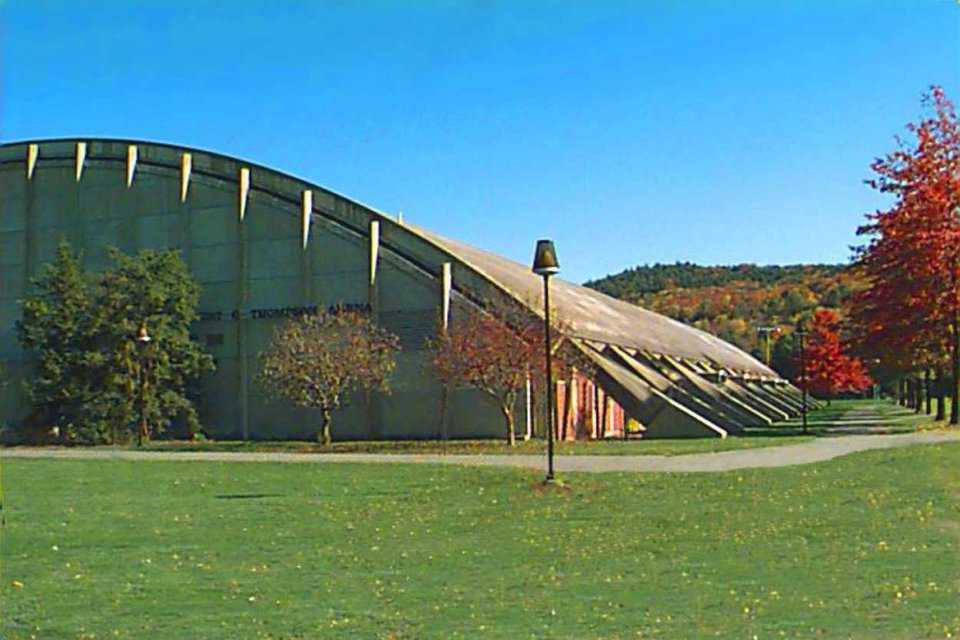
(862, 546)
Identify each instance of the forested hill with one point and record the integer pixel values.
(631, 284)
(733, 301)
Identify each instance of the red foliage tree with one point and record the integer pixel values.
(909, 316)
(498, 350)
(830, 371)
(494, 352)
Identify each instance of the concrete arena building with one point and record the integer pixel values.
(265, 246)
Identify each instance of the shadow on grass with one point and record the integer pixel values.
(849, 420)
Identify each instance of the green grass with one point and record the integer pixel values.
(850, 417)
(603, 447)
(892, 419)
(865, 546)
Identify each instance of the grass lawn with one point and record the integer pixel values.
(855, 416)
(583, 447)
(892, 418)
(887, 410)
(865, 546)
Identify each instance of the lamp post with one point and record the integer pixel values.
(143, 339)
(801, 334)
(545, 264)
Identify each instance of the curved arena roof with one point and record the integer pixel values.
(588, 314)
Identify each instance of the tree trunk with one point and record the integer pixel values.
(567, 406)
(444, 391)
(507, 411)
(918, 407)
(938, 388)
(596, 411)
(901, 399)
(926, 391)
(955, 383)
(528, 408)
(603, 415)
(325, 437)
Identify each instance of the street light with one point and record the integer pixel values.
(143, 339)
(801, 334)
(545, 264)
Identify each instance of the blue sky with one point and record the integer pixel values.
(715, 132)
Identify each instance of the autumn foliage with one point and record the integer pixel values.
(732, 301)
(496, 352)
(909, 315)
(828, 371)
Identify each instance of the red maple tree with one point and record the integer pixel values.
(499, 350)
(496, 352)
(909, 316)
(828, 370)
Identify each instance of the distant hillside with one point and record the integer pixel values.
(633, 283)
(733, 301)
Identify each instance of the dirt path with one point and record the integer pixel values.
(805, 453)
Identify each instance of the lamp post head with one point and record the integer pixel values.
(142, 336)
(545, 259)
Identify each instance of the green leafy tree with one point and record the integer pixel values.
(146, 382)
(784, 355)
(315, 360)
(93, 380)
(58, 325)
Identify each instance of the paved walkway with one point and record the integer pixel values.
(777, 456)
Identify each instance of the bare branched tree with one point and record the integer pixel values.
(314, 361)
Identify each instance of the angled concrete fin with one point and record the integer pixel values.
(736, 387)
(776, 391)
(131, 163)
(649, 371)
(33, 152)
(761, 391)
(244, 191)
(787, 390)
(446, 284)
(80, 158)
(661, 415)
(374, 250)
(186, 166)
(742, 413)
(305, 213)
(797, 401)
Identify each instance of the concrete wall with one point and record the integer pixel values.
(242, 231)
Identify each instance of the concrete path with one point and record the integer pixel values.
(777, 456)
